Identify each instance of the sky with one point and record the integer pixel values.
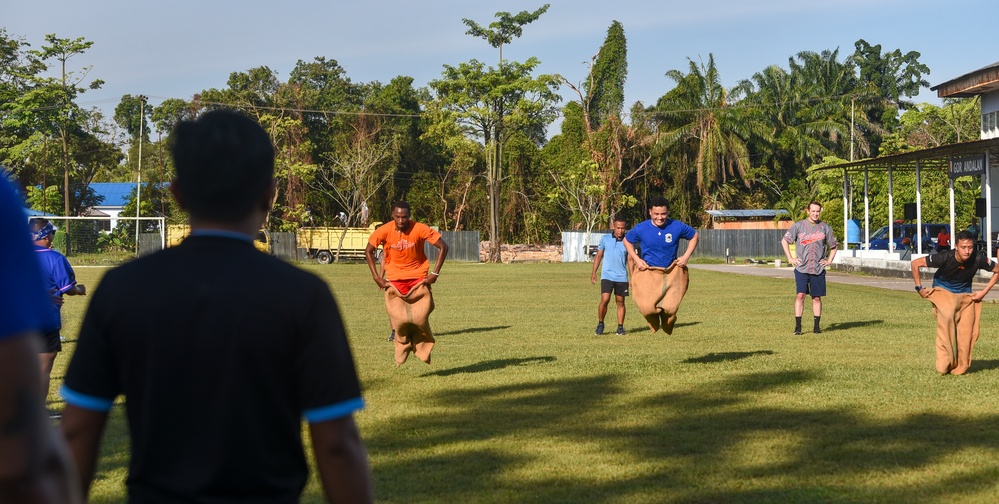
(179, 48)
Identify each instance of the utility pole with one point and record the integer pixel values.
(138, 185)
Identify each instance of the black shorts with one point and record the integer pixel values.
(51, 342)
(813, 285)
(618, 288)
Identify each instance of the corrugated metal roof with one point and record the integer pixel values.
(115, 194)
(745, 213)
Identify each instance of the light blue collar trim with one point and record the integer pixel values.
(221, 233)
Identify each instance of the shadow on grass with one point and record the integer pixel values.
(574, 440)
(840, 326)
(471, 330)
(983, 365)
(725, 356)
(491, 365)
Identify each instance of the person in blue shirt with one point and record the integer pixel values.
(658, 239)
(34, 465)
(614, 274)
(60, 280)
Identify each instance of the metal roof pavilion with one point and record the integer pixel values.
(934, 159)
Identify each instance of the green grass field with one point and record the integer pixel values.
(524, 404)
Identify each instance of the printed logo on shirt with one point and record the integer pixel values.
(403, 244)
(669, 237)
(811, 237)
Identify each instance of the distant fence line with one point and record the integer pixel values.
(462, 246)
(715, 243)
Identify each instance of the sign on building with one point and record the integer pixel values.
(964, 166)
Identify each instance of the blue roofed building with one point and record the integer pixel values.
(115, 196)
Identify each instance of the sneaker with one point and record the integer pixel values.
(600, 329)
(817, 330)
(620, 330)
(392, 336)
(797, 331)
(54, 415)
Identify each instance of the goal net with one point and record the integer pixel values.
(107, 241)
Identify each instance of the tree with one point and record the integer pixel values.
(503, 91)
(68, 87)
(607, 139)
(891, 76)
(697, 117)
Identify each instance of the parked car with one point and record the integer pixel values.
(879, 240)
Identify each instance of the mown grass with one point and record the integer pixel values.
(524, 404)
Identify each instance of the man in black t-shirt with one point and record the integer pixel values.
(219, 349)
(956, 306)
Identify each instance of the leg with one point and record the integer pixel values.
(816, 306)
(46, 360)
(602, 307)
(946, 347)
(799, 304)
(620, 309)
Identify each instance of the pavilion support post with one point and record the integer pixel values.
(919, 211)
(846, 209)
(867, 208)
(891, 210)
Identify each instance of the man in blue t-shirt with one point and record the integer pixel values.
(60, 280)
(613, 275)
(956, 306)
(658, 238)
(33, 461)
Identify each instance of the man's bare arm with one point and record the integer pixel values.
(83, 430)
(34, 464)
(342, 461)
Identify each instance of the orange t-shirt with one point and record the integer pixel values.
(404, 257)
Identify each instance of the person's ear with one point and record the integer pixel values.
(268, 199)
(178, 194)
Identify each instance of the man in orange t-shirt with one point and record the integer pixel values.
(405, 265)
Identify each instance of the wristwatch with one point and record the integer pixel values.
(919, 288)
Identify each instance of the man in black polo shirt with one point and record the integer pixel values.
(956, 307)
(220, 350)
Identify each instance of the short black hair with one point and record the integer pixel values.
(659, 201)
(620, 218)
(964, 235)
(402, 204)
(225, 164)
(37, 223)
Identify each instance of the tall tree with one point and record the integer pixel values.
(892, 77)
(68, 86)
(697, 118)
(500, 32)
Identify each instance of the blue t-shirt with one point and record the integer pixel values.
(659, 244)
(614, 266)
(57, 274)
(24, 305)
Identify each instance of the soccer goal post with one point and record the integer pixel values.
(107, 240)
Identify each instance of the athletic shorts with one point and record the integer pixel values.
(51, 342)
(618, 288)
(813, 285)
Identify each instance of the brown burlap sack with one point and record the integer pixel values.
(657, 293)
(957, 329)
(410, 318)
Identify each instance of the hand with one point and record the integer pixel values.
(794, 261)
(593, 278)
(382, 283)
(824, 262)
(681, 262)
(642, 265)
(925, 292)
(977, 296)
(431, 278)
(81, 289)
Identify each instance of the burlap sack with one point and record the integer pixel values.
(957, 329)
(657, 293)
(410, 318)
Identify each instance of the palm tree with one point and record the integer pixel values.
(698, 118)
